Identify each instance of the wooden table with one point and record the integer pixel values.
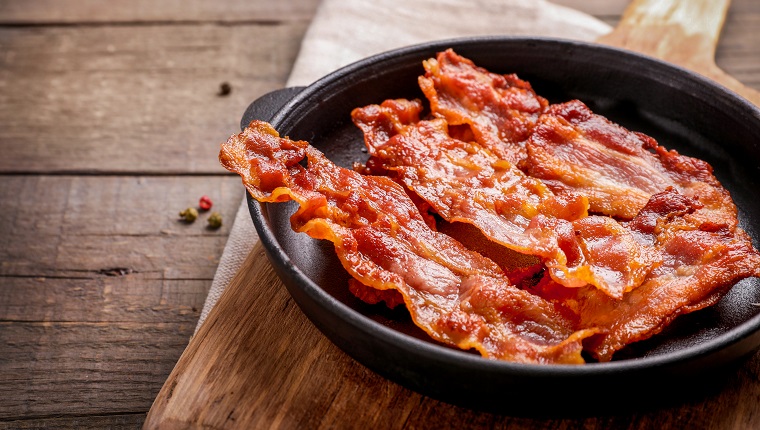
(110, 119)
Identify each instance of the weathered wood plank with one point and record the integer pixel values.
(113, 11)
(81, 226)
(109, 248)
(738, 50)
(739, 46)
(66, 91)
(101, 288)
(111, 422)
(234, 372)
(271, 347)
(53, 369)
(133, 99)
(678, 32)
(102, 298)
(195, 257)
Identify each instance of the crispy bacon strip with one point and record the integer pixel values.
(574, 150)
(700, 264)
(466, 182)
(501, 110)
(457, 296)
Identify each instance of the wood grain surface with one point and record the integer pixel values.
(111, 118)
(137, 86)
(686, 36)
(301, 380)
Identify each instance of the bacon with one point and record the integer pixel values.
(466, 182)
(699, 265)
(574, 150)
(456, 295)
(501, 110)
(677, 207)
(504, 169)
(373, 296)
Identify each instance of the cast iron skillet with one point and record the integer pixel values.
(680, 109)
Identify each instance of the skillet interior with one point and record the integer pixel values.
(679, 109)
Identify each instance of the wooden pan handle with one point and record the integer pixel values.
(683, 32)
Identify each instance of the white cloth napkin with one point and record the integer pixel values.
(344, 31)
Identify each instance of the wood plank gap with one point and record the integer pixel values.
(99, 275)
(154, 23)
(72, 278)
(127, 173)
(160, 234)
(70, 322)
(95, 323)
(56, 416)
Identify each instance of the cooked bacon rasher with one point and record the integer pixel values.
(701, 262)
(699, 265)
(501, 110)
(573, 150)
(466, 182)
(456, 295)
(608, 235)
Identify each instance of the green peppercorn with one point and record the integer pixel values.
(215, 220)
(189, 214)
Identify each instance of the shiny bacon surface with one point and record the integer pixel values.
(698, 264)
(574, 150)
(605, 236)
(456, 295)
(466, 182)
(501, 110)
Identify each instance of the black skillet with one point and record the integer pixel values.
(682, 110)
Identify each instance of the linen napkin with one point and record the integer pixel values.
(344, 31)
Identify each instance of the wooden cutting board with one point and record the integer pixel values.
(258, 362)
(684, 32)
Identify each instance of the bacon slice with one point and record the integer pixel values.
(501, 110)
(574, 150)
(457, 296)
(667, 241)
(466, 182)
(700, 263)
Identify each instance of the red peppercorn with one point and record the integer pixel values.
(205, 203)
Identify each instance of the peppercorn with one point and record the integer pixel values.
(215, 220)
(205, 203)
(224, 89)
(189, 214)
